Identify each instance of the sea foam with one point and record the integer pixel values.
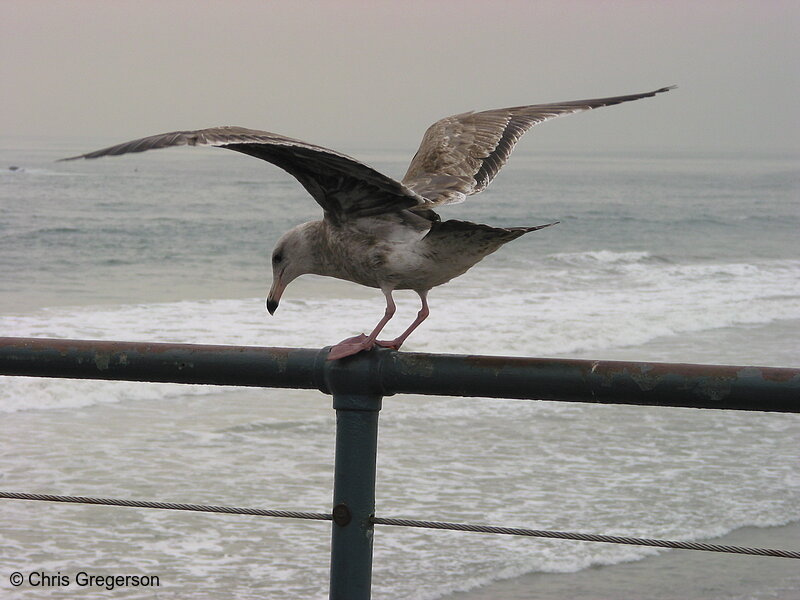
(612, 300)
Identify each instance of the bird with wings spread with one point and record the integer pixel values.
(377, 231)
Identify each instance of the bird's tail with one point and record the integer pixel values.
(533, 228)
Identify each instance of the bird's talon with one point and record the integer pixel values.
(350, 346)
(391, 344)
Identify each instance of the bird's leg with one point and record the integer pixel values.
(356, 344)
(421, 316)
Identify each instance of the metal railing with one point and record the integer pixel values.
(359, 383)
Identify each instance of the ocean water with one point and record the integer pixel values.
(671, 257)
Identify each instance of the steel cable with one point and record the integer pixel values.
(587, 537)
(167, 506)
(565, 535)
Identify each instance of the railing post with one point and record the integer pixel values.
(357, 403)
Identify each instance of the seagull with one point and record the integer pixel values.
(376, 231)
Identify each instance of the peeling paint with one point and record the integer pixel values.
(282, 360)
(418, 366)
(102, 360)
(715, 388)
(769, 374)
(388, 372)
(643, 379)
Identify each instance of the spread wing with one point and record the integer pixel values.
(460, 155)
(343, 186)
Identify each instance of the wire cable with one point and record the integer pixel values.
(565, 535)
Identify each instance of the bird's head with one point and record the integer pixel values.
(295, 254)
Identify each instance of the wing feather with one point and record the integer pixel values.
(460, 155)
(343, 186)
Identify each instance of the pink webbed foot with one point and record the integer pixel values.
(350, 346)
(392, 344)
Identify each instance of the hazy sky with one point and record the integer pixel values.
(352, 74)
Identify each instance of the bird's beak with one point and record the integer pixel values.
(275, 293)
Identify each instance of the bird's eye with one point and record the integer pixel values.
(276, 258)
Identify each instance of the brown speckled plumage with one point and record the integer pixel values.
(376, 231)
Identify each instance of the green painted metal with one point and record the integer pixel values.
(388, 372)
(353, 495)
(359, 383)
(357, 405)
